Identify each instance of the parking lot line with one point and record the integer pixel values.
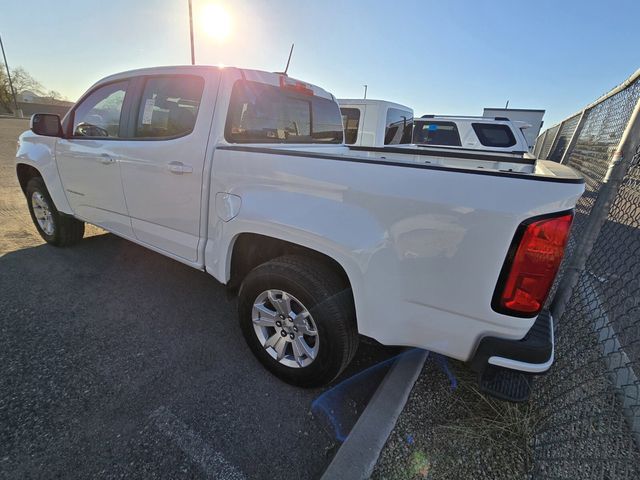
(212, 463)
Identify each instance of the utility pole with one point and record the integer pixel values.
(365, 91)
(193, 53)
(13, 92)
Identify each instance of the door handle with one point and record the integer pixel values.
(107, 159)
(179, 168)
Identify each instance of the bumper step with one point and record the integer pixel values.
(505, 384)
(535, 348)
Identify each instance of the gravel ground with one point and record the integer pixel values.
(449, 431)
(118, 362)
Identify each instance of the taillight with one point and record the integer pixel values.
(531, 265)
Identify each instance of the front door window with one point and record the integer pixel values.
(99, 114)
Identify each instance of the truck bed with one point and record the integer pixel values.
(524, 167)
(421, 235)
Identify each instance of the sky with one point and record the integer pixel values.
(444, 57)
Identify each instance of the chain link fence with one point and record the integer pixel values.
(589, 403)
(548, 141)
(565, 133)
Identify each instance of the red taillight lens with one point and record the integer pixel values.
(531, 265)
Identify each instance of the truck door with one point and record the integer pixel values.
(87, 162)
(163, 162)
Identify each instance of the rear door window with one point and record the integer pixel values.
(399, 127)
(494, 135)
(261, 113)
(351, 122)
(436, 133)
(169, 106)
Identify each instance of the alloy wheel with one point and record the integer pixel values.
(42, 212)
(285, 328)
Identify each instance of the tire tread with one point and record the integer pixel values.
(68, 231)
(327, 286)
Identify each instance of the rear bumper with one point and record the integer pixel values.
(532, 354)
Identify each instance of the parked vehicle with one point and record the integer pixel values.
(530, 117)
(244, 174)
(495, 134)
(375, 123)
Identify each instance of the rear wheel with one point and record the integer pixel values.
(298, 319)
(55, 228)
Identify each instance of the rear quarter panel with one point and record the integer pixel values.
(422, 248)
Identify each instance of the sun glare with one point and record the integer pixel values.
(215, 21)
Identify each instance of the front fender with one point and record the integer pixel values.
(39, 152)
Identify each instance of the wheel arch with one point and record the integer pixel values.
(248, 250)
(26, 172)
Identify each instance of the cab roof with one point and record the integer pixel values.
(270, 78)
(371, 101)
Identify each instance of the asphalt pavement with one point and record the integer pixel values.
(118, 362)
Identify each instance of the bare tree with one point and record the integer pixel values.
(53, 96)
(23, 81)
(6, 97)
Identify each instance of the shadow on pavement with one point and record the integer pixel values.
(97, 339)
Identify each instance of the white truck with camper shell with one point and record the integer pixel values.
(529, 117)
(244, 174)
(489, 134)
(375, 123)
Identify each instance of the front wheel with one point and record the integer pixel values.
(55, 228)
(298, 319)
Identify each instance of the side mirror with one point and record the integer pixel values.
(46, 124)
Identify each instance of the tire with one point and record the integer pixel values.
(314, 286)
(56, 229)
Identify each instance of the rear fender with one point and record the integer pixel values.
(308, 221)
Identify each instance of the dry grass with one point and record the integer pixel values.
(459, 433)
(501, 431)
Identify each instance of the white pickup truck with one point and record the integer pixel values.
(244, 174)
(493, 134)
(375, 123)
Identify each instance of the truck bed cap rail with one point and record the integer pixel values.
(444, 152)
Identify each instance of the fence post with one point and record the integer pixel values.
(618, 166)
(574, 136)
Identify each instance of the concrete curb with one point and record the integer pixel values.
(358, 455)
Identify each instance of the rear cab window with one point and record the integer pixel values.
(494, 135)
(261, 113)
(436, 133)
(351, 122)
(169, 106)
(399, 127)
